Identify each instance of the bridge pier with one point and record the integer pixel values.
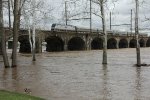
(38, 45)
(88, 42)
(128, 43)
(65, 47)
(117, 44)
(145, 44)
(66, 44)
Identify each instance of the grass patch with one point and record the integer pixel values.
(6, 95)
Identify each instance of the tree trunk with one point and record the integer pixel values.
(15, 33)
(1, 23)
(9, 14)
(137, 34)
(3, 37)
(33, 48)
(33, 30)
(105, 35)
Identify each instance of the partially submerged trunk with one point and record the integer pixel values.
(3, 38)
(15, 33)
(137, 34)
(105, 34)
(33, 44)
(33, 31)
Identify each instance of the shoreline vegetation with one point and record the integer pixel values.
(7, 95)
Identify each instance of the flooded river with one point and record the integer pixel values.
(79, 75)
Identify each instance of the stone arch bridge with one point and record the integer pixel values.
(63, 41)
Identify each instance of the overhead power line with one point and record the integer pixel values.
(121, 25)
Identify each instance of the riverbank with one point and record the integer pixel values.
(7, 95)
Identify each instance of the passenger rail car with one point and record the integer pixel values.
(75, 29)
(71, 28)
(61, 28)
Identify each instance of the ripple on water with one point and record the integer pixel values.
(80, 75)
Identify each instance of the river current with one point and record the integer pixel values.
(80, 75)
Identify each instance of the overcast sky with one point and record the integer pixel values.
(121, 13)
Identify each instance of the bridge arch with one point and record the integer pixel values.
(132, 43)
(142, 43)
(123, 43)
(76, 43)
(148, 43)
(97, 43)
(25, 46)
(54, 44)
(112, 43)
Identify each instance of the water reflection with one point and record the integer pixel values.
(106, 91)
(138, 84)
(4, 77)
(14, 73)
(5, 73)
(15, 82)
(10, 76)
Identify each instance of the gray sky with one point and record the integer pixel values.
(121, 13)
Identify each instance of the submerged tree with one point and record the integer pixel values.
(104, 31)
(15, 33)
(34, 13)
(101, 4)
(101, 12)
(18, 8)
(137, 33)
(3, 38)
(33, 30)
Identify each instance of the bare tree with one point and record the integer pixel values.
(101, 4)
(104, 31)
(31, 9)
(101, 12)
(18, 5)
(3, 37)
(33, 30)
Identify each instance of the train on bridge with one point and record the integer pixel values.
(70, 28)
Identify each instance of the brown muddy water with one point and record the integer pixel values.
(79, 75)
